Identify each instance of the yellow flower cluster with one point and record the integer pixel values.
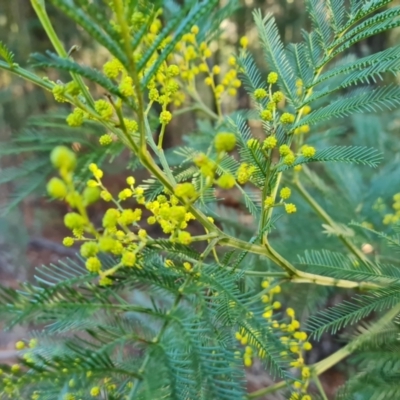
(193, 59)
(284, 194)
(172, 217)
(245, 172)
(394, 217)
(223, 142)
(293, 340)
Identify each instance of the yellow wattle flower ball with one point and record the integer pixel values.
(272, 78)
(284, 150)
(63, 158)
(95, 391)
(128, 259)
(184, 237)
(277, 97)
(260, 94)
(56, 188)
(104, 108)
(226, 181)
(105, 140)
(225, 141)
(93, 264)
(186, 189)
(290, 208)
(270, 142)
(68, 241)
(289, 159)
(285, 193)
(58, 93)
(244, 42)
(91, 195)
(287, 118)
(20, 345)
(216, 69)
(308, 151)
(165, 117)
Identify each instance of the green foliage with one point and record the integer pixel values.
(6, 54)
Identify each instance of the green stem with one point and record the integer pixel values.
(324, 216)
(27, 75)
(178, 298)
(320, 387)
(119, 11)
(44, 19)
(161, 137)
(201, 106)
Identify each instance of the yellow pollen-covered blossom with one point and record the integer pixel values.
(284, 150)
(244, 42)
(153, 94)
(130, 180)
(269, 201)
(265, 298)
(216, 69)
(277, 97)
(266, 115)
(104, 108)
(226, 181)
(289, 159)
(56, 188)
(276, 305)
(185, 190)
(290, 312)
(105, 281)
(290, 208)
(272, 78)
(260, 94)
(74, 221)
(89, 249)
(131, 125)
(208, 81)
(245, 172)
(287, 118)
(68, 241)
(93, 264)
(105, 140)
(307, 346)
(308, 151)
(285, 193)
(20, 345)
(126, 87)
(187, 266)
(224, 141)
(95, 391)
(165, 117)
(207, 53)
(128, 259)
(184, 238)
(75, 119)
(270, 142)
(112, 68)
(58, 93)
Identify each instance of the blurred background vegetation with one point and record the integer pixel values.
(31, 227)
